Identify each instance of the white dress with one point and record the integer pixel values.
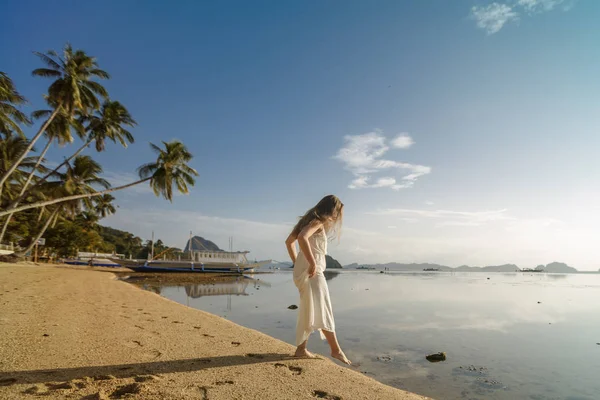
(315, 311)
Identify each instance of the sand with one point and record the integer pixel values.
(76, 333)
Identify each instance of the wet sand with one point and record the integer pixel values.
(80, 333)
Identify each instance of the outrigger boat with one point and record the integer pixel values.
(201, 261)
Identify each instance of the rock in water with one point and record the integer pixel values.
(293, 307)
(437, 357)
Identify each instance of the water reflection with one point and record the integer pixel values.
(235, 287)
(507, 336)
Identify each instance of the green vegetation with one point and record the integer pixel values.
(64, 203)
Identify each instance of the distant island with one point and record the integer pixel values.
(199, 243)
(554, 267)
(332, 263)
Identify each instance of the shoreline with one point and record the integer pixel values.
(80, 333)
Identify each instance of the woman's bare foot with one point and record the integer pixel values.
(341, 356)
(303, 353)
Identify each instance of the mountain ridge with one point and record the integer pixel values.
(553, 267)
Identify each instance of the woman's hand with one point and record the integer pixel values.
(312, 270)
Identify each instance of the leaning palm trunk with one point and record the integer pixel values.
(24, 189)
(40, 233)
(21, 196)
(12, 169)
(55, 220)
(69, 198)
(4, 227)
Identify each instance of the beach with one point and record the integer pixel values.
(80, 333)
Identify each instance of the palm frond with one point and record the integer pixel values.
(41, 114)
(147, 170)
(99, 73)
(96, 88)
(48, 60)
(46, 73)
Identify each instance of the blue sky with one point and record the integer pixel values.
(498, 104)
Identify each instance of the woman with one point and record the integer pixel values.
(315, 312)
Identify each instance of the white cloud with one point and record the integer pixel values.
(493, 17)
(385, 182)
(362, 154)
(539, 5)
(403, 141)
(360, 182)
(447, 217)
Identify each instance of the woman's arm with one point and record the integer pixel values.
(291, 247)
(306, 233)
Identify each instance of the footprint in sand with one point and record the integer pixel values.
(235, 343)
(177, 322)
(293, 369)
(220, 383)
(146, 378)
(39, 389)
(60, 385)
(321, 394)
(204, 391)
(207, 335)
(253, 355)
(197, 327)
(105, 377)
(132, 388)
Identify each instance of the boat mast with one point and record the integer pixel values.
(152, 249)
(190, 246)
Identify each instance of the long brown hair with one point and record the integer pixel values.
(329, 211)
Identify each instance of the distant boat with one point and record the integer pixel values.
(532, 270)
(365, 267)
(431, 269)
(95, 259)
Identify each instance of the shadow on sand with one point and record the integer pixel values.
(132, 370)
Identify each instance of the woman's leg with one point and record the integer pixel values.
(301, 350)
(336, 350)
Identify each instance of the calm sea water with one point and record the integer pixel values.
(512, 336)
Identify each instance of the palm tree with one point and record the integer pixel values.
(170, 168)
(88, 219)
(34, 240)
(104, 205)
(73, 90)
(106, 124)
(60, 130)
(80, 178)
(10, 116)
(11, 147)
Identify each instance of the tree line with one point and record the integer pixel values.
(67, 200)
